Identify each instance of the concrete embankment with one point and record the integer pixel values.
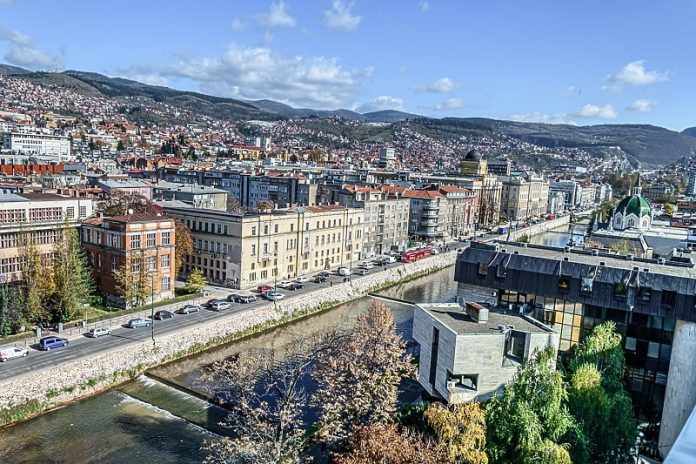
(30, 394)
(536, 229)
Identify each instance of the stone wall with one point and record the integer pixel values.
(537, 229)
(69, 380)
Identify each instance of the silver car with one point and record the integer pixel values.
(12, 352)
(98, 332)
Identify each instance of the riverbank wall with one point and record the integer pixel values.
(35, 392)
(537, 229)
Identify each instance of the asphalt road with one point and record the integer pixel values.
(81, 346)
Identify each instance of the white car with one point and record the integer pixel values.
(367, 265)
(388, 259)
(434, 251)
(275, 296)
(343, 271)
(285, 284)
(12, 352)
(98, 332)
(302, 280)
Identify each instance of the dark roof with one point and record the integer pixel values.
(44, 197)
(138, 217)
(473, 155)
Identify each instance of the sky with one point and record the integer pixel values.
(578, 62)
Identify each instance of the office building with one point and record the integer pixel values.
(522, 198)
(38, 144)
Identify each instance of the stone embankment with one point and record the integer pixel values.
(536, 229)
(32, 393)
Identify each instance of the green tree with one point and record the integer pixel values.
(73, 284)
(196, 281)
(669, 208)
(10, 310)
(120, 146)
(524, 238)
(530, 422)
(38, 285)
(597, 398)
(133, 284)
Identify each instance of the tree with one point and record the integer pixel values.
(384, 443)
(669, 208)
(120, 146)
(530, 421)
(605, 210)
(524, 238)
(358, 379)
(267, 401)
(461, 430)
(73, 282)
(597, 398)
(196, 281)
(133, 284)
(622, 247)
(184, 244)
(10, 310)
(38, 282)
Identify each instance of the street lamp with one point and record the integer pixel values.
(152, 305)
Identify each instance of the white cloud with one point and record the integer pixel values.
(598, 112)
(642, 105)
(424, 5)
(277, 17)
(258, 72)
(24, 53)
(238, 25)
(450, 104)
(381, 103)
(554, 118)
(442, 85)
(340, 17)
(634, 73)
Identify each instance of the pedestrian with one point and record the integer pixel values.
(331, 284)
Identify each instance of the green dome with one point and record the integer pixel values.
(634, 205)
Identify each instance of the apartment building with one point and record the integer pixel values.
(427, 219)
(141, 244)
(34, 218)
(571, 190)
(461, 213)
(522, 198)
(196, 195)
(658, 191)
(386, 219)
(283, 189)
(243, 250)
(37, 143)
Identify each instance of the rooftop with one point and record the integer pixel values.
(454, 317)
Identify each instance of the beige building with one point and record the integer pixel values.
(522, 198)
(244, 250)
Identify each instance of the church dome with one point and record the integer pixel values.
(473, 155)
(634, 204)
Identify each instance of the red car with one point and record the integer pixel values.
(264, 288)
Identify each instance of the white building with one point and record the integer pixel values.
(34, 143)
(691, 186)
(387, 156)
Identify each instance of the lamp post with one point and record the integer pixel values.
(152, 305)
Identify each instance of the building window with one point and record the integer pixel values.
(586, 284)
(564, 283)
(482, 269)
(669, 299)
(265, 230)
(165, 283)
(253, 232)
(151, 263)
(164, 261)
(166, 238)
(620, 290)
(467, 382)
(83, 211)
(70, 212)
(500, 272)
(151, 240)
(135, 242)
(275, 228)
(253, 250)
(644, 294)
(113, 263)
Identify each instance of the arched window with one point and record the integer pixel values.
(631, 222)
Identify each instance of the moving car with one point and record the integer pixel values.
(247, 299)
(343, 271)
(264, 288)
(12, 352)
(274, 296)
(295, 286)
(98, 332)
(362, 271)
(189, 308)
(302, 280)
(138, 322)
(210, 303)
(325, 274)
(367, 265)
(233, 298)
(162, 315)
(388, 259)
(319, 279)
(48, 343)
(434, 251)
(220, 306)
(285, 284)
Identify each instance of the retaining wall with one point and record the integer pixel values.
(537, 229)
(29, 394)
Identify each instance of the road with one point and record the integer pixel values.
(81, 346)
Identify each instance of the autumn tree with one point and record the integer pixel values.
(460, 430)
(184, 244)
(73, 284)
(37, 276)
(385, 443)
(133, 283)
(358, 378)
(196, 281)
(597, 398)
(530, 422)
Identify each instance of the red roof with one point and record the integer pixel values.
(423, 194)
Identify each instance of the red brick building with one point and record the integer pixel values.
(142, 245)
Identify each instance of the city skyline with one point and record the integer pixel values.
(589, 63)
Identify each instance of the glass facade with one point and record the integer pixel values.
(647, 342)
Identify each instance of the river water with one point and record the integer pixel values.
(149, 421)
(561, 236)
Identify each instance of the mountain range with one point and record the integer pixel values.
(648, 144)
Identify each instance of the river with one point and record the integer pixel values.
(149, 421)
(561, 236)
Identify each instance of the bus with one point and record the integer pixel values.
(414, 255)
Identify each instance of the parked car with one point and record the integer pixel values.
(434, 251)
(388, 259)
(220, 306)
(302, 280)
(343, 271)
(275, 296)
(319, 279)
(48, 343)
(189, 308)
(233, 298)
(325, 274)
(264, 288)
(361, 271)
(162, 315)
(247, 299)
(210, 303)
(295, 286)
(138, 322)
(12, 352)
(284, 284)
(98, 332)
(367, 265)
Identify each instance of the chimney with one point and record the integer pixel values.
(476, 312)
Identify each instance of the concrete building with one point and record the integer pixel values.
(198, 196)
(387, 158)
(427, 219)
(473, 164)
(522, 198)
(37, 143)
(651, 301)
(658, 191)
(469, 353)
(142, 245)
(603, 192)
(126, 187)
(244, 250)
(34, 218)
(691, 184)
(461, 213)
(556, 203)
(386, 219)
(571, 190)
(499, 167)
(282, 188)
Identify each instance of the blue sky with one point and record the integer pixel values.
(584, 62)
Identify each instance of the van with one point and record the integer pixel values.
(343, 271)
(12, 352)
(48, 343)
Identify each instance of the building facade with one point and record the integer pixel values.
(198, 196)
(142, 246)
(427, 219)
(461, 213)
(35, 218)
(522, 198)
(36, 143)
(245, 250)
